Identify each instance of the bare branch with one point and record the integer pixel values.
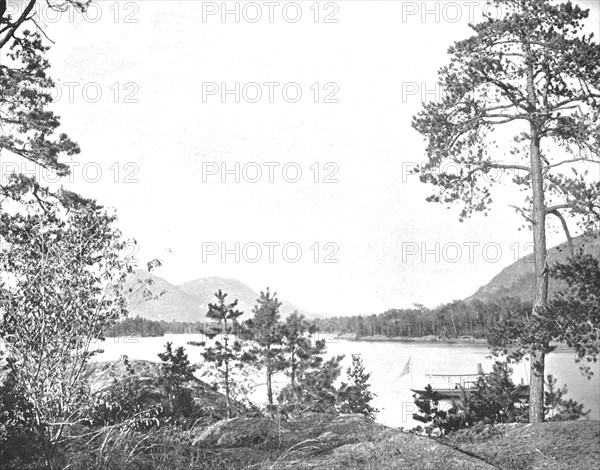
(580, 159)
(12, 28)
(551, 209)
(565, 228)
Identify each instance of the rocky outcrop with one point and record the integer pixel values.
(391, 450)
(329, 442)
(239, 432)
(104, 375)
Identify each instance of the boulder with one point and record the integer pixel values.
(239, 432)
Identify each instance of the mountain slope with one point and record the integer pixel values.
(518, 279)
(174, 304)
(189, 301)
(204, 290)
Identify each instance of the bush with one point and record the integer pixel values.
(15, 434)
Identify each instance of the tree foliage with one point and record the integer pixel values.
(30, 130)
(558, 408)
(312, 379)
(176, 372)
(522, 99)
(226, 354)
(439, 419)
(315, 389)
(493, 399)
(15, 413)
(62, 286)
(136, 326)
(454, 320)
(265, 332)
(356, 396)
(486, 87)
(576, 310)
(301, 350)
(572, 317)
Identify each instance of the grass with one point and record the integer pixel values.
(553, 445)
(344, 443)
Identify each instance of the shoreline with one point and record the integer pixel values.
(560, 348)
(414, 339)
(373, 339)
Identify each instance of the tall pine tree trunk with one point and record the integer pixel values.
(269, 374)
(227, 389)
(293, 371)
(536, 381)
(270, 388)
(226, 360)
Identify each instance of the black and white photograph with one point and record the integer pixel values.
(293, 235)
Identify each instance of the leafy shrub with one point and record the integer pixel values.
(15, 413)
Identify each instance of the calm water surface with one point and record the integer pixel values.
(385, 361)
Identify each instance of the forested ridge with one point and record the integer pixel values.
(455, 319)
(139, 326)
(458, 318)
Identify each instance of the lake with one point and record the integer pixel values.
(385, 360)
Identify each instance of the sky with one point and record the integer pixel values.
(315, 201)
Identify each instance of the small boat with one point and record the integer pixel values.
(452, 386)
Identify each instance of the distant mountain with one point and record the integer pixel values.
(174, 304)
(189, 301)
(518, 279)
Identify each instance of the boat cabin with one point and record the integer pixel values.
(452, 386)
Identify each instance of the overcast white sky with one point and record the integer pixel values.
(169, 135)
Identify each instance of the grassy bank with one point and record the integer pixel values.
(344, 443)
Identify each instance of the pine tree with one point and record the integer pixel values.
(30, 129)
(266, 333)
(495, 397)
(312, 379)
(176, 370)
(556, 407)
(439, 419)
(176, 367)
(315, 386)
(226, 353)
(298, 349)
(534, 74)
(356, 396)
